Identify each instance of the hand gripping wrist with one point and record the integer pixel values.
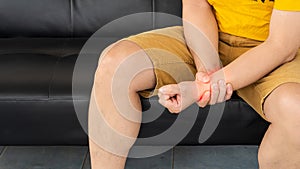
(201, 89)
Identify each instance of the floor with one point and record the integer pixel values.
(180, 157)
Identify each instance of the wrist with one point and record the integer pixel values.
(201, 89)
(217, 76)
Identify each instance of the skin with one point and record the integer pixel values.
(199, 21)
(107, 123)
(117, 128)
(280, 147)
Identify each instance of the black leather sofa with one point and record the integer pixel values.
(39, 44)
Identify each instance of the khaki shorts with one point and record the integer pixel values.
(174, 63)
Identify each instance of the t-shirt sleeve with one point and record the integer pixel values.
(287, 5)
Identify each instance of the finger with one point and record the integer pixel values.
(162, 102)
(159, 94)
(229, 91)
(204, 100)
(170, 104)
(214, 93)
(163, 96)
(166, 103)
(222, 91)
(203, 77)
(171, 89)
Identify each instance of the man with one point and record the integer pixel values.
(258, 45)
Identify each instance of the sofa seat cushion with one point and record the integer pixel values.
(37, 105)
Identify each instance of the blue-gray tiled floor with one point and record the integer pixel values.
(180, 157)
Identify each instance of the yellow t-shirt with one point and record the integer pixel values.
(249, 18)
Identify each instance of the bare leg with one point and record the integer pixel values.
(280, 148)
(113, 154)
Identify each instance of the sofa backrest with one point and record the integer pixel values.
(71, 18)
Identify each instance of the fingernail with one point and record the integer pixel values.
(205, 79)
(222, 82)
(229, 86)
(214, 86)
(207, 94)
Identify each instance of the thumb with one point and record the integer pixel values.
(171, 89)
(203, 77)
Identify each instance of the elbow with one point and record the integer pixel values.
(290, 54)
(288, 50)
(293, 54)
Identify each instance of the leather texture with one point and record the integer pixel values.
(63, 18)
(40, 41)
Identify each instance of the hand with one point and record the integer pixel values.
(177, 97)
(220, 91)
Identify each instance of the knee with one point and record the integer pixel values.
(283, 109)
(115, 54)
(283, 104)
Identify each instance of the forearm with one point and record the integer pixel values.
(201, 34)
(280, 47)
(254, 64)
